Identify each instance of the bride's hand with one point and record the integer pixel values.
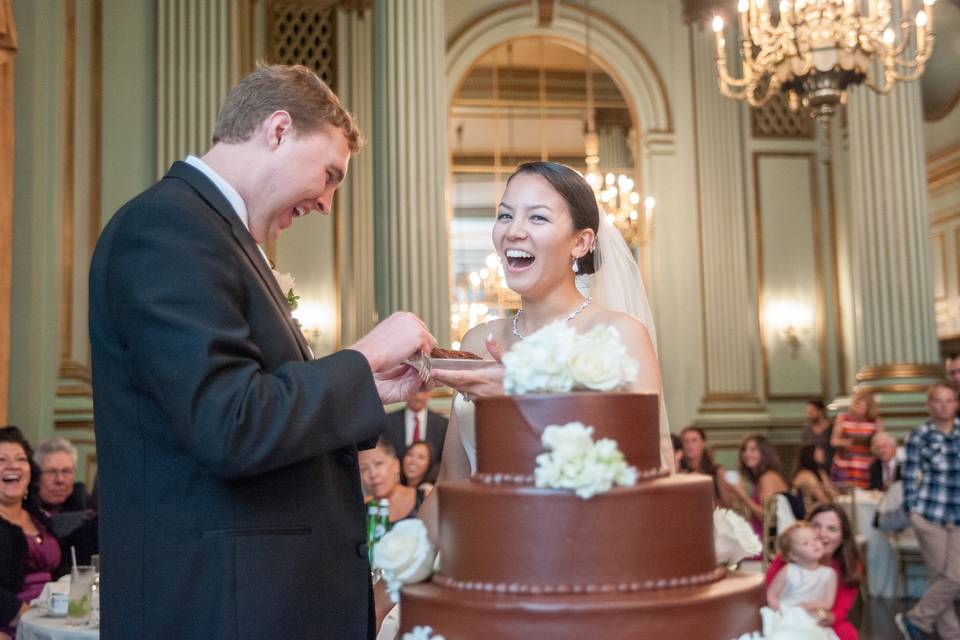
(472, 383)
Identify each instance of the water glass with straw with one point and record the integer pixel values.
(80, 603)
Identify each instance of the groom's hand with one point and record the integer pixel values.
(399, 383)
(401, 336)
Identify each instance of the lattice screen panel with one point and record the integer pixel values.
(776, 120)
(305, 33)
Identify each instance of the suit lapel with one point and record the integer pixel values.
(218, 202)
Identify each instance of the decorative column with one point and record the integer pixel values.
(8, 51)
(730, 331)
(409, 159)
(893, 286)
(355, 241)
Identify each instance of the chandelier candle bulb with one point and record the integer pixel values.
(921, 30)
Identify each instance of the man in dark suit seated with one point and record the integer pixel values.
(885, 468)
(229, 489)
(417, 422)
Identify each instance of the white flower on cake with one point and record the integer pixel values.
(575, 462)
(557, 359)
(733, 538)
(539, 361)
(405, 555)
(421, 633)
(599, 361)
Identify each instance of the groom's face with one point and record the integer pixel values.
(304, 172)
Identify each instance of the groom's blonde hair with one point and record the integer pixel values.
(291, 88)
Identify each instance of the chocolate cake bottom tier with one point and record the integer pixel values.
(722, 610)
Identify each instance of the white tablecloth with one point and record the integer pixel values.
(35, 625)
(881, 558)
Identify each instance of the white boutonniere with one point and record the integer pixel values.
(287, 284)
(575, 462)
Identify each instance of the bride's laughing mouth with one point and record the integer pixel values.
(518, 260)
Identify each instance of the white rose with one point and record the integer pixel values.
(598, 360)
(404, 554)
(733, 538)
(572, 440)
(538, 362)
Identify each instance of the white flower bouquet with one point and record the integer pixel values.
(405, 555)
(575, 462)
(557, 359)
(733, 538)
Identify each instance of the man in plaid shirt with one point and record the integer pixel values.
(931, 485)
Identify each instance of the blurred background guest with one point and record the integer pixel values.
(931, 494)
(817, 429)
(698, 459)
(414, 423)
(30, 555)
(57, 461)
(760, 466)
(677, 453)
(812, 477)
(885, 468)
(380, 474)
(417, 470)
(952, 369)
(852, 434)
(833, 530)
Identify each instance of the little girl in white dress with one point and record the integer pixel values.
(804, 587)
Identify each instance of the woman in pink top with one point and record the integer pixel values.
(840, 552)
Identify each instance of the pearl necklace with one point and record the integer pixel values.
(573, 314)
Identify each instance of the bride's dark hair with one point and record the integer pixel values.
(575, 190)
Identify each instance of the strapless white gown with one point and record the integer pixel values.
(465, 416)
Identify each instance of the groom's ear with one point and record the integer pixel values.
(277, 126)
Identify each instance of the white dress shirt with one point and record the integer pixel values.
(408, 417)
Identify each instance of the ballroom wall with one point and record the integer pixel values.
(753, 228)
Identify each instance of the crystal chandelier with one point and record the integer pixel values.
(814, 50)
(615, 195)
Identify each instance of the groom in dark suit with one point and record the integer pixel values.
(230, 500)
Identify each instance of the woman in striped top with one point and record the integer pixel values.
(851, 438)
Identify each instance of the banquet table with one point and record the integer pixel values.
(36, 625)
(861, 506)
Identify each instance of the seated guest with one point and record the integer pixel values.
(812, 477)
(832, 529)
(697, 459)
(760, 465)
(415, 423)
(417, 468)
(885, 469)
(57, 461)
(380, 474)
(30, 555)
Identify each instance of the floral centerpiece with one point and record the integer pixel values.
(557, 359)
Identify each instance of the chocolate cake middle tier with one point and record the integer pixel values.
(514, 538)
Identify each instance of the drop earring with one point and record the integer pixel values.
(575, 266)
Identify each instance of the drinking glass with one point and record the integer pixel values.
(81, 595)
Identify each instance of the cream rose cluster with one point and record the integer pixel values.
(421, 633)
(557, 359)
(733, 538)
(405, 555)
(575, 462)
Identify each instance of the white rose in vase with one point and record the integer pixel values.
(598, 360)
(733, 538)
(404, 554)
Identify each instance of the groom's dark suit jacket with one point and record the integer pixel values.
(230, 500)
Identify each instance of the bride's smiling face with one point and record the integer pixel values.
(534, 235)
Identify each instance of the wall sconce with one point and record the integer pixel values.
(316, 321)
(791, 320)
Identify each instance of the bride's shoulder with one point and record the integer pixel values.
(625, 323)
(475, 340)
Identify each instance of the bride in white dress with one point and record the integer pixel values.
(550, 239)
